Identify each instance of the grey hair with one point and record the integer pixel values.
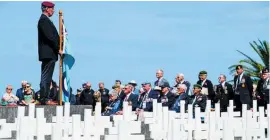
(223, 76)
(130, 86)
(160, 70)
(183, 86)
(180, 74)
(114, 93)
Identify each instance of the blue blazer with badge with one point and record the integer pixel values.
(148, 100)
(133, 98)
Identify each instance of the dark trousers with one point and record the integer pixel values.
(47, 69)
(237, 103)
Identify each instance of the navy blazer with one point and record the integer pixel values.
(148, 100)
(166, 100)
(19, 94)
(133, 98)
(48, 39)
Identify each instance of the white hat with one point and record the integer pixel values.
(157, 88)
(122, 86)
(133, 82)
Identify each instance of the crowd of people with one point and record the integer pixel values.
(242, 91)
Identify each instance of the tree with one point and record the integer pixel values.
(252, 67)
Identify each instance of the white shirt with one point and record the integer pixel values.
(127, 96)
(223, 84)
(241, 75)
(159, 80)
(203, 82)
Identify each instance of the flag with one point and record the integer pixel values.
(68, 62)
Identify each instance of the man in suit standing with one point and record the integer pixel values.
(48, 50)
(207, 87)
(224, 93)
(160, 79)
(243, 88)
(263, 91)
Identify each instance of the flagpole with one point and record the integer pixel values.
(61, 58)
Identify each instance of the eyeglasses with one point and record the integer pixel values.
(27, 86)
(9, 88)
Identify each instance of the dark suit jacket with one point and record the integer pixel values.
(104, 98)
(148, 100)
(224, 95)
(167, 100)
(244, 88)
(48, 39)
(133, 98)
(208, 84)
(200, 101)
(263, 90)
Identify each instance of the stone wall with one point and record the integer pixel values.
(10, 113)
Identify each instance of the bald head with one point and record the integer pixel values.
(88, 85)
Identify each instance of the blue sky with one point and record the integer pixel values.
(130, 40)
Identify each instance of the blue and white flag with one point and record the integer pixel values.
(68, 62)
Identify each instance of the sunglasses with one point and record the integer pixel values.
(27, 86)
(9, 88)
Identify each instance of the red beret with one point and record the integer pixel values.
(47, 4)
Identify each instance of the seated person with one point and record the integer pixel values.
(182, 95)
(129, 97)
(166, 97)
(114, 105)
(198, 99)
(146, 98)
(28, 95)
(9, 99)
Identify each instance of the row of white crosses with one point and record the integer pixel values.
(66, 127)
(164, 124)
(169, 125)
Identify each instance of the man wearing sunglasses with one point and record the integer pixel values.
(48, 49)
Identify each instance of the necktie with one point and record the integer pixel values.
(238, 80)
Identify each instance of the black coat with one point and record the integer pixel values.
(48, 39)
(223, 95)
(208, 84)
(244, 88)
(167, 100)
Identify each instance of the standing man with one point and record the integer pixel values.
(224, 93)
(206, 87)
(263, 93)
(160, 79)
(104, 96)
(243, 88)
(48, 50)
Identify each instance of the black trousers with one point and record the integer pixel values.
(237, 103)
(47, 69)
